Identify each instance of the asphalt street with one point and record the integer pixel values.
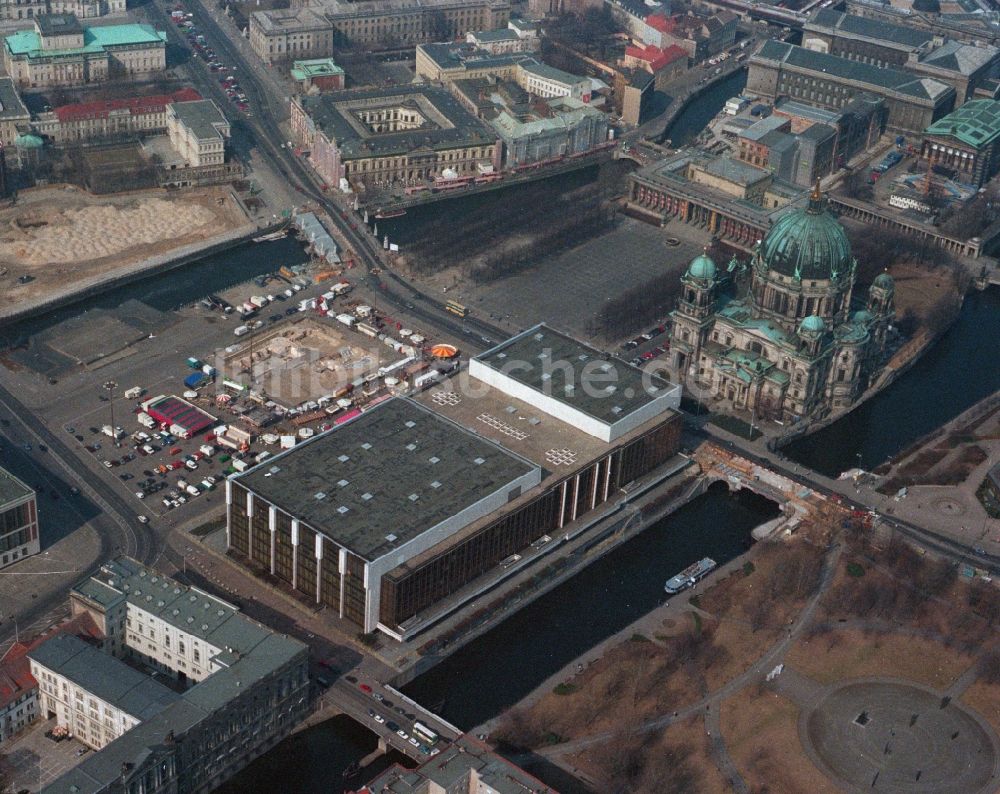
(96, 503)
(268, 137)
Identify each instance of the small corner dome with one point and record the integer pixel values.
(884, 281)
(862, 317)
(813, 324)
(702, 267)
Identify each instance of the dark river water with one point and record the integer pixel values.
(498, 669)
(185, 284)
(962, 368)
(697, 115)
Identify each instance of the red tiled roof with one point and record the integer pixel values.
(136, 105)
(674, 53)
(654, 56)
(660, 22)
(15, 669)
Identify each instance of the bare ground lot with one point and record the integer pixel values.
(59, 236)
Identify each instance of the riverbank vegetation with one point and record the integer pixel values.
(886, 609)
(947, 457)
(690, 652)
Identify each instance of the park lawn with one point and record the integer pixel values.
(744, 648)
(686, 740)
(851, 653)
(760, 729)
(985, 699)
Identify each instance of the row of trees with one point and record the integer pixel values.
(563, 233)
(637, 307)
(530, 213)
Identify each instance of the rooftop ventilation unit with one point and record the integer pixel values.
(319, 495)
(391, 538)
(343, 510)
(343, 458)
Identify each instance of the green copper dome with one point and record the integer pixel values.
(812, 324)
(807, 243)
(884, 281)
(28, 141)
(702, 267)
(862, 317)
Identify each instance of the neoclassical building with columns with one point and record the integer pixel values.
(791, 343)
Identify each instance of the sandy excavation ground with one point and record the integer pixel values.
(63, 235)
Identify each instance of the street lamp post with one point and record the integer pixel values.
(110, 387)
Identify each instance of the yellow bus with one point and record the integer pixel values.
(456, 308)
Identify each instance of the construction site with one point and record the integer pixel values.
(306, 360)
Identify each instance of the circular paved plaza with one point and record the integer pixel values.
(890, 736)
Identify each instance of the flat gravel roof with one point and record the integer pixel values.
(577, 375)
(385, 477)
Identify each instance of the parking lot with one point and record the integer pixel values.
(178, 478)
(204, 52)
(35, 760)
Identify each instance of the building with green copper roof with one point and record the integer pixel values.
(966, 141)
(789, 343)
(317, 74)
(59, 51)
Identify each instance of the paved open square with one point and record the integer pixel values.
(569, 289)
(880, 735)
(35, 760)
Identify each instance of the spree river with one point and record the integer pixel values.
(961, 369)
(500, 667)
(496, 670)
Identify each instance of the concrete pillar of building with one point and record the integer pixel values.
(593, 486)
(229, 504)
(272, 526)
(249, 525)
(295, 552)
(562, 505)
(318, 551)
(342, 569)
(607, 478)
(576, 496)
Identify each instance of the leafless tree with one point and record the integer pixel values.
(989, 667)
